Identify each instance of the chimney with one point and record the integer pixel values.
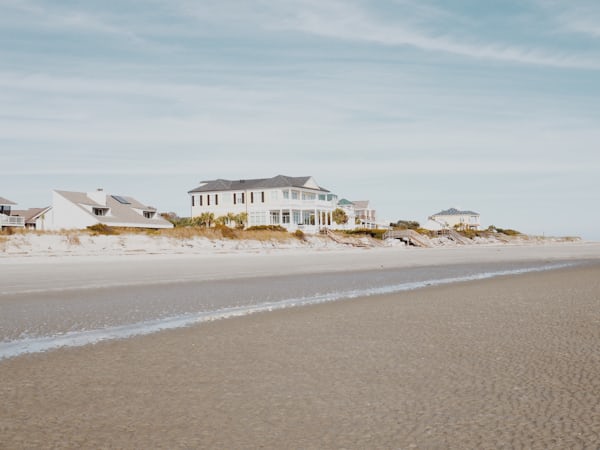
(98, 196)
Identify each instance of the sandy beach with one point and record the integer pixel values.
(509, 362)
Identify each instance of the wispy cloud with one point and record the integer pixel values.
(416, 27)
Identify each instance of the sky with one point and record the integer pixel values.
(417, 106)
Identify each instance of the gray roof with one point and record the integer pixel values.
(361, 204)
(30, 215)
(279, 181)
(455, 212)
(4, 201)
(120, 214)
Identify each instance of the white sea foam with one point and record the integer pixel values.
(84, 337)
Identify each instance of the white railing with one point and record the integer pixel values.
(11, 221)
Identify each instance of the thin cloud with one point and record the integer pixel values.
(349, 22)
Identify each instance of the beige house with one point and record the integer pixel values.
(454, 218)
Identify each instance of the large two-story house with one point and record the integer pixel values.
(291, 202)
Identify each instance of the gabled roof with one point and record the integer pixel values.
(455, 212)
(345, 202)
(279, 181)
(361, 204)
(121, 214)
(4, 201)
(30, 215)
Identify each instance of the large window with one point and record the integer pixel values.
(257, 218)
(295, 195)
(274, 217)
(285, 217)
(296, 217)
(308, 196)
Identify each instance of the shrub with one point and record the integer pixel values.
(267, 228)
(299, 234)
(101, 228)
(339, 216)
(226, 232)
(376, 233)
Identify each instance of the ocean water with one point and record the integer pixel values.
(40, 321)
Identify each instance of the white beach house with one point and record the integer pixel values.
(78, 210)
(454, 218)
(6, 219)
(291, 202)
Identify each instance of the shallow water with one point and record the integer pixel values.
(39, 321)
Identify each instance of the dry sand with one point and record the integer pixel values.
(511, 362)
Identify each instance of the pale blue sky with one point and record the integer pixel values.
(416, 105)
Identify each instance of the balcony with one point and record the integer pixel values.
(11, 221)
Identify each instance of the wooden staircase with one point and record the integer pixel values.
(411, 237)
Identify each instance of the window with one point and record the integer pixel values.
(216, 199)
(193, 203)
(285, 217)
(238, 198)
(295, 195)
(274, 195)
(208, 199)
(257, 218)
(262, 197)
(150, 214)
(296, 216)
(200, 200)
(308, 196)
(251, 197)
(306, 216)
(322, 196)
(274, 217)
(243, 198)
(286, 194)
(99, 211)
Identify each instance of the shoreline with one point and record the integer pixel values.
(506, 361)
(17, 347)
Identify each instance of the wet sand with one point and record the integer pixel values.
(511, 362)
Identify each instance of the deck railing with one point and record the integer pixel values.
(11, 221)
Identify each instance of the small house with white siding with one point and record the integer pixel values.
(6, 218)
(454, 218)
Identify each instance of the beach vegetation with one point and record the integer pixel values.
(101, 228)
(376, 233)
(505, 231)
(406, 225)
(206, 219)
(72, 238)
(339, 216)
(267, 228)
(300, 235)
